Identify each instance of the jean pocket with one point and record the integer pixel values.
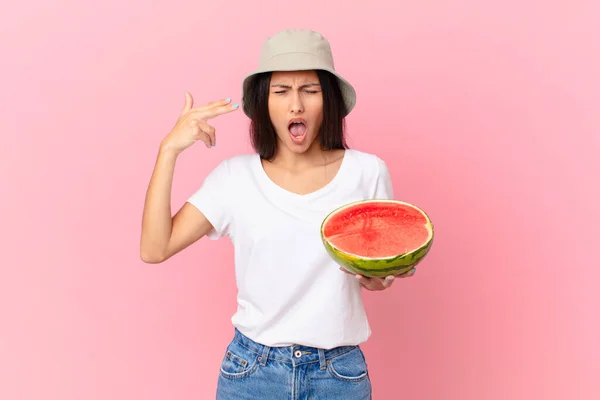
(238, 362)
(349, 367)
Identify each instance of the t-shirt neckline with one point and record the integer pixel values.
(272, 186)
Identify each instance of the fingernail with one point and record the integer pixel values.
(390, 278)
(235, 106)
(228, 99)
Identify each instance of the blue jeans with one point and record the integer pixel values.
(251, 371)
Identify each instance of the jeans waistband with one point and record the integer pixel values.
(296, 354)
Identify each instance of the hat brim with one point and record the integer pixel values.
(301, 62)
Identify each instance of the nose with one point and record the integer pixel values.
(296, 105)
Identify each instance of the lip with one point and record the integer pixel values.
(291, 121)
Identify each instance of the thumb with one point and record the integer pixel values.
(189, 102)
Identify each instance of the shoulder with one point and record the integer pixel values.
(227, 176)
(368, 162)
(232, 166)
(241, 162)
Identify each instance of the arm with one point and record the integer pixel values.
(162, 235)
(383, 189)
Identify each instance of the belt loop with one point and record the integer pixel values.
(263, 357)
(322, 361)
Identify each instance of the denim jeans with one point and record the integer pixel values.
(250, 370)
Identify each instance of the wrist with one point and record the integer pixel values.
(167, 150)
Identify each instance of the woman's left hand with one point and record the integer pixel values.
(379, 283)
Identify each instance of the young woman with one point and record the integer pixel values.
(300, 319)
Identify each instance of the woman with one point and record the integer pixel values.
(299, 321)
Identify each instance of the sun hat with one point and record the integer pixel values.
(299, 50)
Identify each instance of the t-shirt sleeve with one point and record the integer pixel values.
(213, 200)
(383, 188)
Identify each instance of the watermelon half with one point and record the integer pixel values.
(377, 238)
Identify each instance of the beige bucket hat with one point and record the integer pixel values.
(299, 50)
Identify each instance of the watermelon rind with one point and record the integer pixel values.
(378, 267)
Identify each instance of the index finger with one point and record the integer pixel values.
(407, 274)
(215, 111)
(211, 104)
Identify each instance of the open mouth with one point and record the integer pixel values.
(297, 128)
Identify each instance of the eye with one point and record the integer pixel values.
(311, 91)
(280, 91)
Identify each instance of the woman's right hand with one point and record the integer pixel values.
(192, 124)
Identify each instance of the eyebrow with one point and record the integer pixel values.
(301, 86)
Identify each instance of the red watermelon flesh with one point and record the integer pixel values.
(377, 229)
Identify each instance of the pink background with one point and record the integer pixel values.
(486, 112)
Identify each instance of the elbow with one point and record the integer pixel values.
(151, 257)
(151, 260)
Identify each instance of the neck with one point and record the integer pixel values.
(311, 157)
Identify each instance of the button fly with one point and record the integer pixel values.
(298, 353)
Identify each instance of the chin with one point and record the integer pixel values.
(299, 146)
(298, 149)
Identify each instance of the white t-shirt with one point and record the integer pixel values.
(289, 290)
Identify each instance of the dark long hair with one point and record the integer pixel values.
(262, 132)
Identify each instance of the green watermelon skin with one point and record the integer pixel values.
(384, 266)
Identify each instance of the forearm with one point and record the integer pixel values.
(157, 219)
